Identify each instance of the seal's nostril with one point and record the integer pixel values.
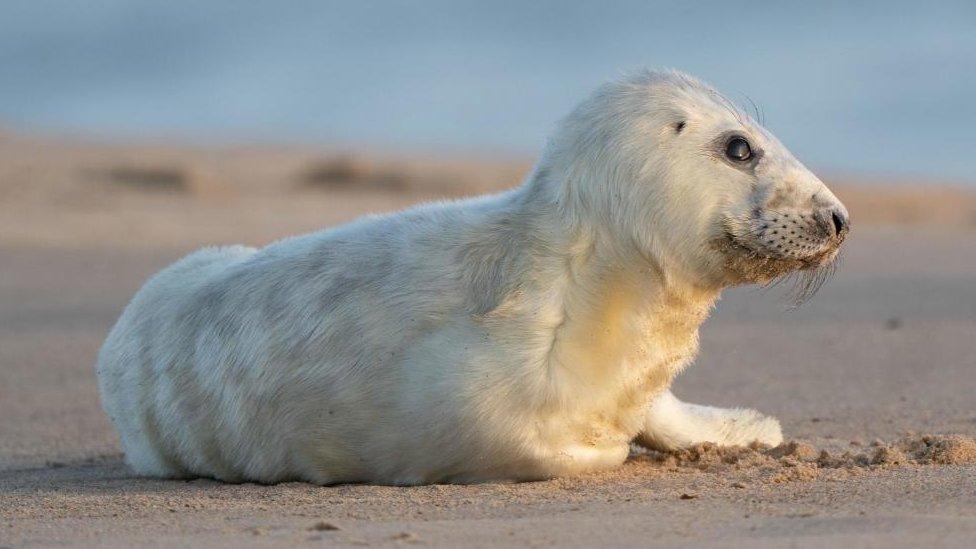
(840, 222)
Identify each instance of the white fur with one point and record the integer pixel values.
(525, 335)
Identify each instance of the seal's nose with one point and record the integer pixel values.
(840, 221)
(833, 221)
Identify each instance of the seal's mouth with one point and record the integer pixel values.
(748, 263)
(743, 250)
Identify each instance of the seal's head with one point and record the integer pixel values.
(670, 165)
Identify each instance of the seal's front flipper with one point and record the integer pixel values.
(671, 425)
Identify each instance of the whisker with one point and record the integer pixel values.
(755, 109)
(808, 283)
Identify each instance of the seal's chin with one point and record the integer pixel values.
(746, 262)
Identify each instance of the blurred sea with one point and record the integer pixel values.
(884, 89)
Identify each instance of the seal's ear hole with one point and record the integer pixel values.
(679, 126)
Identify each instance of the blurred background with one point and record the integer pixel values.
(134, 131)
(884, 89)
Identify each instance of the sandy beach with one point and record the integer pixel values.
(874, 379)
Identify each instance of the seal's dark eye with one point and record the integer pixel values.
(738, 149)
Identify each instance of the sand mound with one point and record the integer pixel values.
(796, 460)
(943, 450)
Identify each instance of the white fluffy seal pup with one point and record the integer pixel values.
(525, 335)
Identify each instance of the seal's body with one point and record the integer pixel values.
(524, 335)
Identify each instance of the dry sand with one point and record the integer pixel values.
(870, 379)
